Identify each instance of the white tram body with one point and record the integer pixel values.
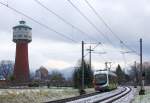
(104, 80)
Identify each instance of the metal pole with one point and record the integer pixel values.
(141, 61)
(82, 85)
(109, 65)
(90, 57)
(142, 91)
(106, 66)
(135, 79)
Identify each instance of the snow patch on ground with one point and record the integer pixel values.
(143, 98)
(95, 98)
(37, 95)
(129, 97)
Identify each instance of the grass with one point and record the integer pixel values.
(143, 98)
(37, 95)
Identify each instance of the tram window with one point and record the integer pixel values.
(100, 79)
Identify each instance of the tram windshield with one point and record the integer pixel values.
(100, 79)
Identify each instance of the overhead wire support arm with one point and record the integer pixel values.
(125, 52)
(99, 52)
(131, 50)
(43, 25)
(93, 43)
(93, 48)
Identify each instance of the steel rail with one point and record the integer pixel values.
(121, 93)
(73, 98)
(116, 96)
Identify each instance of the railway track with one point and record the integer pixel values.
(114, 97)
(73, 98)
(96, 97)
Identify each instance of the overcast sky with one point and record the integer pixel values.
(129, 19)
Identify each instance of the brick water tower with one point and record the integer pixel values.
(21, 36)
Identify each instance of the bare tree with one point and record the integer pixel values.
(6, 69)
(57, 79)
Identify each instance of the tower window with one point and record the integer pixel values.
(19, 28)
(25, 36)
(19, 35)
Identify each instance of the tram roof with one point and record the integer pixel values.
(104, 72)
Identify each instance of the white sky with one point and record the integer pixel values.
(128, 19)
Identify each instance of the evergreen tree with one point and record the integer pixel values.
(88, 75)
(56, 78)
(120, 75)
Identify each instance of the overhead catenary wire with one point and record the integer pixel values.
(45, 26)
(41, 24)
(109, 28)
(62, 19)
(89, 21)
(100, 18)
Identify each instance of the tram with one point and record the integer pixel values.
(105, 80)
